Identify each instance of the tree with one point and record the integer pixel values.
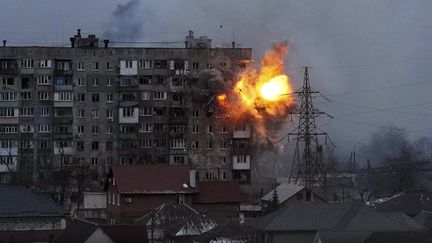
(274, 203)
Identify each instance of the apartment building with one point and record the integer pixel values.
(102, 106)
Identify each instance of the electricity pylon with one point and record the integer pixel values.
(308, 168)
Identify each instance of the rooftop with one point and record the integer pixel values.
(18, 201)
(335, 217)
(218, 192)
(153, 179)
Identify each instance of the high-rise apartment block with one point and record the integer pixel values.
(100, 105)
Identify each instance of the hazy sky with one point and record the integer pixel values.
(371, 57)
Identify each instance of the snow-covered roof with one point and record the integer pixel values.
(284, 191)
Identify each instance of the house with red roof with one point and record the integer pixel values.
(217, 198)
(133, 191)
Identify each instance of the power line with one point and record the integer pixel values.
(377, 109)
(383, 88)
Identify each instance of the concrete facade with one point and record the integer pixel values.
(106, 106)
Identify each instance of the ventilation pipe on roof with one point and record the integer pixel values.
(192, 178)
(4, 43)
(106, 41)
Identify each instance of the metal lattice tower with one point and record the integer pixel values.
(307, 166)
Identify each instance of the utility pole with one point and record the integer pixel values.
(307, 167)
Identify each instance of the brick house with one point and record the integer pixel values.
(133, 191)
(218, 198)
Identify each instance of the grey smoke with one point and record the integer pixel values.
(351, 46)
(126, 22)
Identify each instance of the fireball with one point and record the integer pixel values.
(275, 89)
(261, 94)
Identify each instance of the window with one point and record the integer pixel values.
(44, 95)
(45, 63)
(109, 114)
(8, 96)
(128, 112)
(159, 95)
(240, 128)
(26, 95)
(7, 144)
(43, 80)
(127, 82)
(195, 113)
(128, 63)
(126, 161)
(209, 129)
(7, 112)
(27, 63)
(194, 144)
(109, 81)
(145, 111)
(81, 97)
(210, 143)
(109, 160)
(109, 66)
(145, 143)
(95, 66)
(95, 129)
(195, 129)
(80, 66)
(95, 81)
(80, 146)
(81, 113)
(63, 65)
(224, 177)
(160, 64)
(80, 82)
(179, 159)
(109, 129)
(177, 143)
(27, 128)
(43, 144)
(45, 111)
(9, 129)
(95, 97)
(209, 175)
(128, 97)
(180, 198)
(26, 112)
(224, 130)
(109, 98)
(146, 127)
(95, 146)
(44, 128)
(80, 129)
(195, 65)
(8, 81)
(241, 158)
(145, 95)
(148, 64)
(145, 79)
(94, 161)
(223, 144)
(95, 113)
(63, 96)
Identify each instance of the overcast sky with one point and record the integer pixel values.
(372, 58)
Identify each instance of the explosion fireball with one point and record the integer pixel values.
(261, 95)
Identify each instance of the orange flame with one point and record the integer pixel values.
(260, 95)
